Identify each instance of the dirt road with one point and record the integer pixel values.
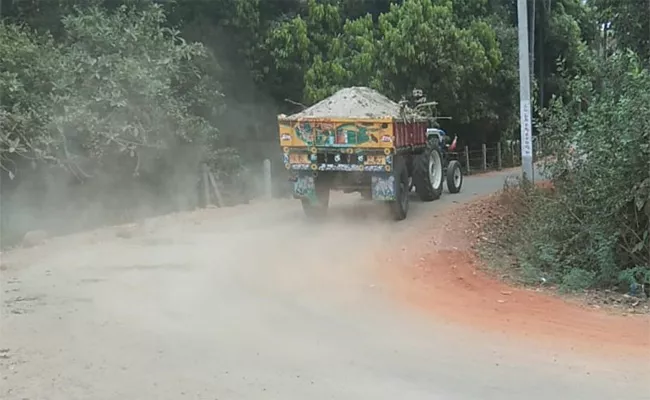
(210, 305)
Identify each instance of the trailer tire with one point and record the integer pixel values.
(454, 176)
(428, 174)
(317, 211)
(400, 206)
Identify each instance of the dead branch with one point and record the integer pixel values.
(295, 103)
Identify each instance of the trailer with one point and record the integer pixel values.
(358, 140)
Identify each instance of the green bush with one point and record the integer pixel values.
(120, 91)
(593, 229)
(114, 116)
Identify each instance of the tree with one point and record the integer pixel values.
(629, 21)
(422, 46)
(351, 60)
(121, 93)
(456, 59)
(27, 64)
(292, 45)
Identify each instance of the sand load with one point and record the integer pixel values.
(351, 103)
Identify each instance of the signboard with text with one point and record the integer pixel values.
(526, 130)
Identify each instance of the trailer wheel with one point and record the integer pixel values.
(454, 176)
(428, 174)
(318, 209)
(400, 206)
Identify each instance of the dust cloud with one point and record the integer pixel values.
(84, 194)
(220, 286)
(254, 300)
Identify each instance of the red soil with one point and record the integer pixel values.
(447, 280)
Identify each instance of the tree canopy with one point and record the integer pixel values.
(463, 54)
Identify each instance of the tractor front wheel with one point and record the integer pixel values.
(454, 177)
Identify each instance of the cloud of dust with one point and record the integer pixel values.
(53, 200)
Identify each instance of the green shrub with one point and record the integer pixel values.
(110, 119)
(592, 231)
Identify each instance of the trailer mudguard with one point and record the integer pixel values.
(383, 187)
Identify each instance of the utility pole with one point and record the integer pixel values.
(0, 22)
(524, 93)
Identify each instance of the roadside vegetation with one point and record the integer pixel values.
(590, 227)
(108, 107)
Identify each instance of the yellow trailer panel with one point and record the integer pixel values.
(337, 133)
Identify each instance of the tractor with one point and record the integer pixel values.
(358, 140)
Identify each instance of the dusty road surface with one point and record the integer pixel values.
(212, 305)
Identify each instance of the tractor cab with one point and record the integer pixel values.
(438, 134)
(441, 136)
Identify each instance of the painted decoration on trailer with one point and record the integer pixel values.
(305, 186)
(337, 133)
(339, 167)
(383, 187)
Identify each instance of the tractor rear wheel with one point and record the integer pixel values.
(428, 174)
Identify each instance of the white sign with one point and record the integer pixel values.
(526, 130)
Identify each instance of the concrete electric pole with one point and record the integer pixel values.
(524, 93)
